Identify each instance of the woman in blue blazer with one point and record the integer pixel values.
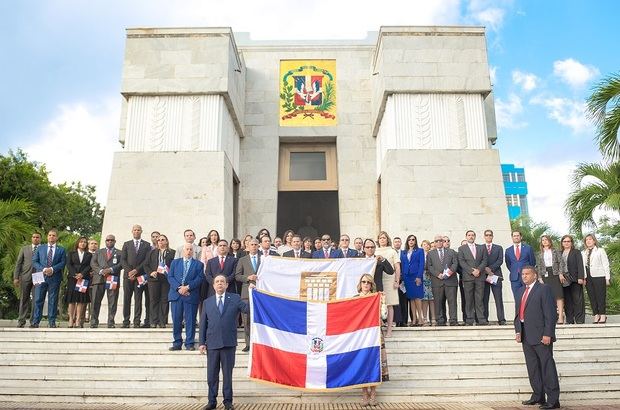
(412, 268)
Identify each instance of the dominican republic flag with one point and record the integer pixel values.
(142, 280)
(315, 345)
(81, 285)
(111, 282)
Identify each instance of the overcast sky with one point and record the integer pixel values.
(61, 66)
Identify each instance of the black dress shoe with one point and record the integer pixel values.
(246, 349)
(145, 325)
(111, 326)
(94, 326)
(229, 407)
(136, 325)
(549, 406)
(33, 325)
(210, 406)
(190, 348)
(125, 326)
(21, 324)
(52, 325)
(174, 348)
(532, 402)
(501, 323)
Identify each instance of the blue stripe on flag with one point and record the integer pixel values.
(356, 367)
(279, 313)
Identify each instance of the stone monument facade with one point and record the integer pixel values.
(409, 149)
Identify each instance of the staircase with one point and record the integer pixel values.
(134, 366)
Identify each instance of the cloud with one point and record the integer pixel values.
(566, 111)
(507, 112)
(493, 74)
(574, 73)
(527, 81)
(548, 187)
(78, 144)
(487, 12)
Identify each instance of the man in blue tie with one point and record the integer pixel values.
(185, 278)
(218, 338)
(49, 259)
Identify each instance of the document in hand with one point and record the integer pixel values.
(492, 279)
(37, 278)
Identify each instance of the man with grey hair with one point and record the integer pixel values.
(441, 265)
(246, 274)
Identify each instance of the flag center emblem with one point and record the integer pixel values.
(317, 345)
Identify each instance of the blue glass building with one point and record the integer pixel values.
(515, 189)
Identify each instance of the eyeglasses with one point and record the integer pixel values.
(447, 240)
(438, 240)
(412, 239)
(369, 247)
(325, 239)
(366, 282)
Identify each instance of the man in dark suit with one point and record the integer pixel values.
(246, 274)
(51, 260)
(343, 250)
(185, 278)
(441, 265)
(133, 258)
(535, 320)
(517, 256)
(265, 247)
(326, 251)
(296, 252)
(473, 260)
(495, 259)
(105, 262)
(222, 264)
(218, 338)
(22, 277)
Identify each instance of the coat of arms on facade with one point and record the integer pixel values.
(307, 92)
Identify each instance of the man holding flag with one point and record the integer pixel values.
(106, 266)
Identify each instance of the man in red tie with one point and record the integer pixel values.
(534, 323)
(495, 277)
(105, 262)
(517, 256)
(297, 251)
(326, 250)
(221, 264)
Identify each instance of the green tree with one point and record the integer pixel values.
(67, 207)
(594, 187)
(603, 108)
(14, 229)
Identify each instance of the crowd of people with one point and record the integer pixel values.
(421, 280)
(418, 280)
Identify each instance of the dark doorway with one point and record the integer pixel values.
(322, 206)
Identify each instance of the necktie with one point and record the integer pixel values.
(518, 252)
(136, 244)
(185, 269)
(297, 254)
(108, 254)
(266, 253)
(34, 248)
(221, 263)
(441, 255)
(473, 250)
(220, 304)
(50, 255)
(489, 248)
(344, 253)
(522, 306)
(254, 262)
(326, 255)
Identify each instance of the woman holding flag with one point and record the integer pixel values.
(158, 266)
(367, 286)
(78, 279)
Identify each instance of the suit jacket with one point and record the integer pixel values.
(468, 263)
(100, 261)
(240, 254)
(220, 330)
(540, 314)
(435, 267)
(514, 265)
(243, 270)
(271, 252)
(194, 279)
(495, 259)
(24, 267)
(302, 254)
(382, 267)
(131, 260)
(152, 262)
(557, 262)
(213, 269)
(414, 268)
(39, 261)
(574, 265)
(351, 253)
(74, 266)
(320, 254)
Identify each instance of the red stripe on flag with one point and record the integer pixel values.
(354, 314)
(277, 366)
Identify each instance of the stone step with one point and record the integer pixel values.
(384, 394)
